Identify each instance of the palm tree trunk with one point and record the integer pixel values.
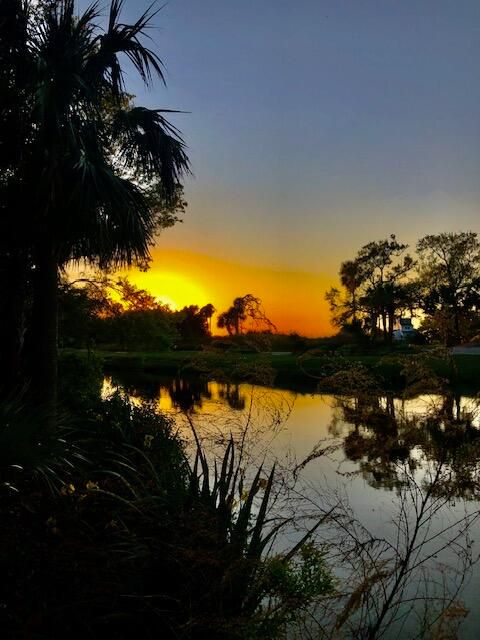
(13, 274)
(391, 322)
(45, 330)
(456, 314)
(373, 323)
(384, 325)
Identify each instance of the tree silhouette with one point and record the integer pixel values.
(135, 299)
(375, 287)
(92, 170)
(243, 308)
(207, 312)
(193, 323)
(352, 275)
(450, 275)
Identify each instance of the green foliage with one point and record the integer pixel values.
(152, 329)
(263, 594)
(29, 453)
(450, 274)
(149, 438)
(102, 310)
(84, 131)
(378, 287)
(193, 326)
(235, 506)
(290, 585)
(80, 380)
(88, 176)
(375, 288)
(83, 536)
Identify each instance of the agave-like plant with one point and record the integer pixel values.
(252, 585)
(189, 545)
(223, 490)
(29, 451)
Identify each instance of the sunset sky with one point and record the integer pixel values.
(313, 127)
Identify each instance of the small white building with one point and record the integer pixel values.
(404, 330)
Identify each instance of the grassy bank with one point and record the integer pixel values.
(293, 371)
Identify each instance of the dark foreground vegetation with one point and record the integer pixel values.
(107, 528)
(112, 526)
(110, 529)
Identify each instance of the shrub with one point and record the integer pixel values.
(79, 381)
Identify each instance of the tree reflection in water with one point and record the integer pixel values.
(384, 437)
(402, 575)
(404, 581)
(251, 414)
(232, 395)
(188, 395)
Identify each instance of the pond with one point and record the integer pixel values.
(372, 458)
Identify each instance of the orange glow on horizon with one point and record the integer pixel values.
(294, 301)
(172, 288)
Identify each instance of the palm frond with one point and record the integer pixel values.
(115, 224)
(27, 448)
(151, 146)
(89, 161)
(125, 39)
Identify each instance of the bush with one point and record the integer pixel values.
(125, 539)
(80, 377)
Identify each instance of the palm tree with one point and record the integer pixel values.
(232, 319)
(352, 277)
(93, 159)
(15, 134)
(207, 312)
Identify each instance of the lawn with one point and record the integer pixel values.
(289, 370)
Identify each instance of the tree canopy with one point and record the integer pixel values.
(450, 276)
(375, 287)
(85, 173)
(441, 286)
(245, 308)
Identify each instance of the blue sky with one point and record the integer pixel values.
(317, 126)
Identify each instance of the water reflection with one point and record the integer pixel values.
(382, 435)
(379, 435)
(186, 395)
(383, 453)
(233, 396)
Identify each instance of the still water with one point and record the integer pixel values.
(356, 452)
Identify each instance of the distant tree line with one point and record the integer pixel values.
(114, 312)
(104, 311)
(439, 284)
